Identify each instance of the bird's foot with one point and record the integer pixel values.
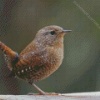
(44, 93)
(53, 93)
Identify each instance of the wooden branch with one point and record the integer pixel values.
(64, 96)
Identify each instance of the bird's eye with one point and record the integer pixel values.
(52, 32)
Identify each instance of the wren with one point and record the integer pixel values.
(40, 58)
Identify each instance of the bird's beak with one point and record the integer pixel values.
(66, 31)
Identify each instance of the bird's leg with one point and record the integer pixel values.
(41, 92)
(32, 83)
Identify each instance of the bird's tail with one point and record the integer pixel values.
(10, 55)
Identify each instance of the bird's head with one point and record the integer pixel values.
(51, 35)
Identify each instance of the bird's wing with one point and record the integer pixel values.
(27, 61)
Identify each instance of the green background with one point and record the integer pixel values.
(80, 71)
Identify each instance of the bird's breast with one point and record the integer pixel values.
(51, 61)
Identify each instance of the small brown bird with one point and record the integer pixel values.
(40, 58)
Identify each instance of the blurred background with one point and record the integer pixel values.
(80, 70)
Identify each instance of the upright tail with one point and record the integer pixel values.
(10, 55)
